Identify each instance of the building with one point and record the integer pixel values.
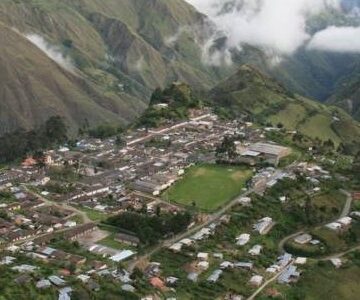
(264, 225)
(272, 153)
(303, 239)
(243, 239)
(289, 275)
(127, 239)
(256, 280)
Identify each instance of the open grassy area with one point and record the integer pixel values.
(209, 186)
(110, 241)
(94, 215)
(326, 282)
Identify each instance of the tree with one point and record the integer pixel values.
(157, 96)
(55, 130)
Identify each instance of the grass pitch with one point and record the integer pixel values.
(209, 186)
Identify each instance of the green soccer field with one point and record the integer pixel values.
(209, 186)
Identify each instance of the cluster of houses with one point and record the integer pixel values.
(26, 216)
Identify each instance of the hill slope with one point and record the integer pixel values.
(122, 50)
(33, 87)
(252, 93)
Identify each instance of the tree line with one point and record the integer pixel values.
(19, 144)
(150, 229)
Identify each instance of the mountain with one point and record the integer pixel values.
(33, 87)
(119, 52)
(347, 95)
(251, 92)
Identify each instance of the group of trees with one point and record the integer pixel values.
(179, 98)
(150, 229)
(20, 143)
(227, 149)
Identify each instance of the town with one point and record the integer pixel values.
(243, 214)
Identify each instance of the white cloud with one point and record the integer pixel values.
(277, 26)
(337, 39)
(51, 51)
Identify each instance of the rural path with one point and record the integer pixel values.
(266, 283)
(345, 212)
(63, 205)
(212, 218)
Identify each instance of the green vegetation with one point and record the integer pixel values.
(178, 98)
(261, 99)
(18, 144)
(110, 241)
(209, 186)
(150, 229)
(322, 281)
(93, 214)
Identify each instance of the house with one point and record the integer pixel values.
(127, 239)
(264, 225)
(243, 239)
(156, 282)
(337, 262)
(214, 277)
(56, 280)
(186, 242)
(284, 260)
(43, 284)
(7, 260)
(25, 268)
(345, 221)
(244, 265)
(334, 226)
(203, 265)
(245, 200)
(203, 256)
(256, 280)
(255, 251)
(289, 275)
(300, 261)
(171, 280)
(303, 239)
(193, 276)
(128, 288)
(226, 265)
(123, 255)
(176, 247)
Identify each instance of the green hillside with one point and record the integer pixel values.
(121, 51)
(347, 95)
(250, 92)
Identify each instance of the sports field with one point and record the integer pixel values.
(208, 187)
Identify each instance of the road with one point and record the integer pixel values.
(165, 130)
(345, 212)
(266, 283)
(212, 218)
(347, 207)
(63, 205)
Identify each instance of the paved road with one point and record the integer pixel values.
(165, 130)
(214, 217)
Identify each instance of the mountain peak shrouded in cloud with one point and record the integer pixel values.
(279, 27)
(337, 39)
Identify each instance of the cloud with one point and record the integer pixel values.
(337, 39)
(53, 52)
(277, 26)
